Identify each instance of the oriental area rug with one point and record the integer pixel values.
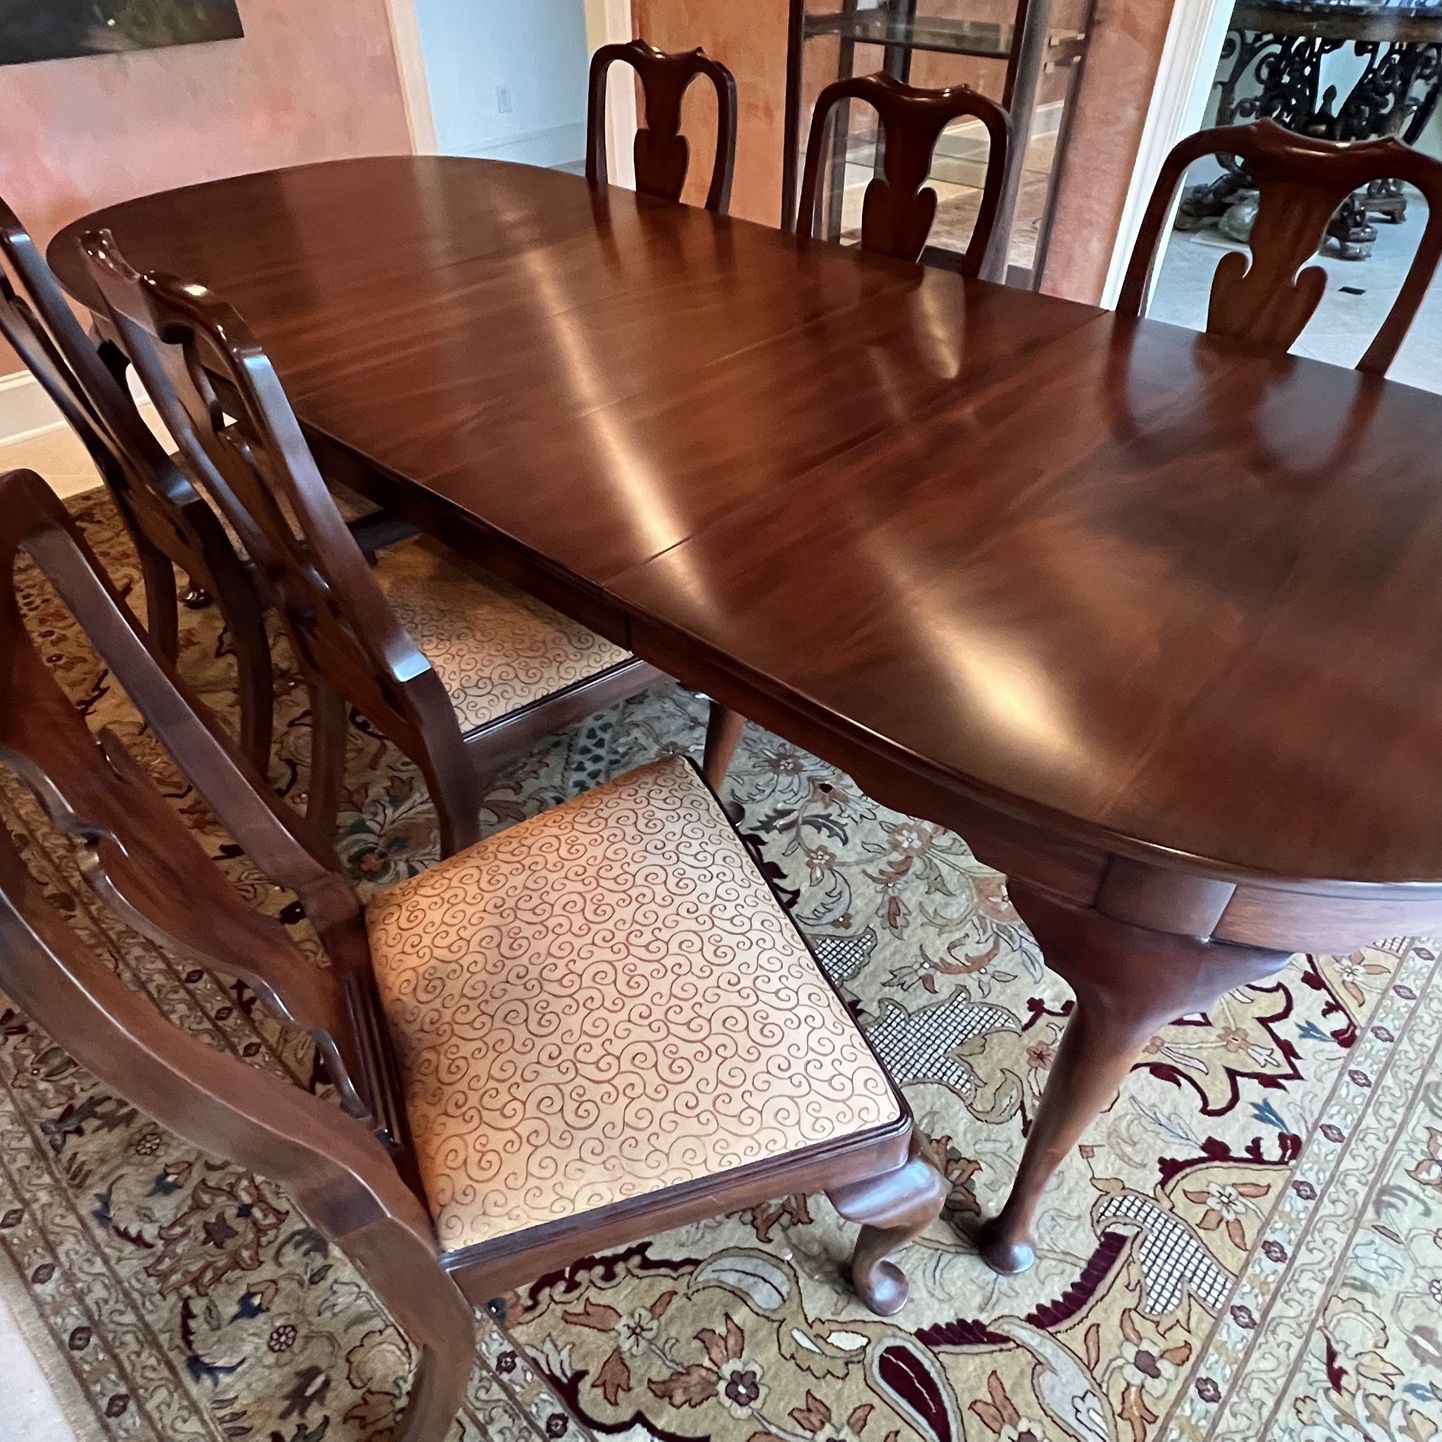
(1248, 1244)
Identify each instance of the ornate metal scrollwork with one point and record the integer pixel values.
(1272, 65)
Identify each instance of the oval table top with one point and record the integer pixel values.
(1011, 559)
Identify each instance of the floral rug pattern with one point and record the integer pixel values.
(1248, 1244)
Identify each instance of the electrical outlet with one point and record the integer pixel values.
(503, 100)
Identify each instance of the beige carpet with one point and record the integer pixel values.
(1248, 1245)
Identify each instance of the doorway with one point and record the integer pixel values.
(507, 81)
(497, 80)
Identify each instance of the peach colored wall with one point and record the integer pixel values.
(311, 80)
(750, 37)
(1127, 38)
(1116, 91)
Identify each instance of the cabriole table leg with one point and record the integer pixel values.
(1129, 981)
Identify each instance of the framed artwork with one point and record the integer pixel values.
(54, 29)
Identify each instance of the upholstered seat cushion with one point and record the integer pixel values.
(495, 649)
(604, 1001)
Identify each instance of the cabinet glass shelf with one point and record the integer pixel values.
(981, 39)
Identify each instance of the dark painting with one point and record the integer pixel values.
(53, 29)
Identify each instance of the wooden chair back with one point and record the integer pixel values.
(139, 856)
(899, 207)
(157, 503)
(245, 447)
(143, 861)
(662, 153)
(43, 330)
(1269, 297)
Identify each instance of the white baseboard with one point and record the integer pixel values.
(557, 145)
(25, 410)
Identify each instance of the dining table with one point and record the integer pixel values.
(1152, 619)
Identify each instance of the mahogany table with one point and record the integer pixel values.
(1153, 620)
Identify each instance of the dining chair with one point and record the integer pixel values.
(458, 1017)
(1269, 296)
(896, 218)
(169, 522)
(462, 672)
(663, 160)
(662, 153)
(899, 208)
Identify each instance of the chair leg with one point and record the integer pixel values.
(425, 1303)
(330, 722)
(438, 1390)
(893, 1208)
(256, 683)
(723, 736)
(456, 790)
(162, 613)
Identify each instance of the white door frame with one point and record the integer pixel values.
(1179, 104)
(411, 64)
(607, 21)
(610, 22)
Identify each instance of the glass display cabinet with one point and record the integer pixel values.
(1028, 54)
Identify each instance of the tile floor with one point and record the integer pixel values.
(31, 1410)
(1344, 324)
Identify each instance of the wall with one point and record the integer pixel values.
(536, 53)
(312, 80)
(1111, 108)
(317, 78)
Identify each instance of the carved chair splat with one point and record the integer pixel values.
(1269, 297)
(899, 207)
(662, 153)
(352, 649)
(876, 1174)
(328, 1162)
(96, 793)
(170, 523)
(662, 159)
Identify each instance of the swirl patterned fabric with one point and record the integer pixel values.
(605, 1001)
(494, 648)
